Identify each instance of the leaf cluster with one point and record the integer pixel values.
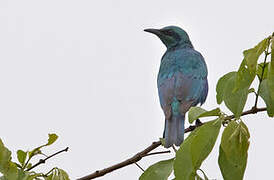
(21, 170)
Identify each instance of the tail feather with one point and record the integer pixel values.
(180, 129)
(174, 130)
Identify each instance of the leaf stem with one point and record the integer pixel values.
(50, 171)
(174, 148)
(139, 166)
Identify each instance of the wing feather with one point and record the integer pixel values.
(182, 77)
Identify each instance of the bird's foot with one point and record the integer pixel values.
(198, 122)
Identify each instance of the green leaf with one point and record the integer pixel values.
(29, 165)
(63, 175)
(35, 152)
(58, 174)
(197, 112)
(12, 171)
(233, 151)
(221, 86)
(21, 156)
(235, 100)
(265, 93)
(158, 171)
(251, 90)
(49, 177)
(244, 77)
(34, 176)
(260, 70)
(7, 167)
(25, 175)
(248, 67)
(270, 74)
(251, 55)
(52, 139)
(194, 113)
(5, 158)
(195, 149)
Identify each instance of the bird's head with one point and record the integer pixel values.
(171, 36)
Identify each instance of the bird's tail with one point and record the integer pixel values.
(174, 130)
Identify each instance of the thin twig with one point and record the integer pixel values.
(137, 157)
(25, 165)
(262, 75)
(42, 161)
(139, 166)
(50, 171)
(160, 152)
(174, 148)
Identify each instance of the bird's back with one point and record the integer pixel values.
(182, 69)
(187, 61)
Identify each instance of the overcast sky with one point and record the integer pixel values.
(87, 71)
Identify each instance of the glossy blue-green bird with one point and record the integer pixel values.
(182, 81)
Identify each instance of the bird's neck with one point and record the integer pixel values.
(181, 45)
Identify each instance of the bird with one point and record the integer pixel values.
(182, 81)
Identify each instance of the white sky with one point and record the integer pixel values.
(86, 71)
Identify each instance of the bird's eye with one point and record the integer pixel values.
(168, 32)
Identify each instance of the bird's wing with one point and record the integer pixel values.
(184, 81)
(190, 90)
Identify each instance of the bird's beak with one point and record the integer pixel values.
(153, 31)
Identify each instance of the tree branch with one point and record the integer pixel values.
(262, 75)
(161, 152)
(137, 157)
(254, 110)
(42, 161)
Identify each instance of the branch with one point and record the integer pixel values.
(42, 161)
(254, 110)
(262, 75)
(161, 152)
(137, 157)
